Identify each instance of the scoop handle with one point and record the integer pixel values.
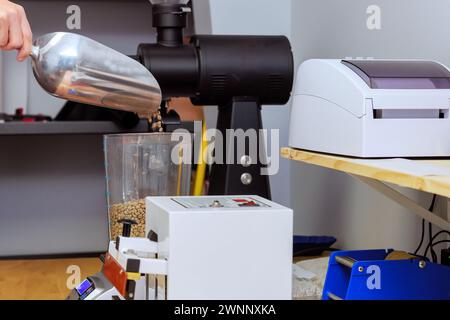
(34, 52)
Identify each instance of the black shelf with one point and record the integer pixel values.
(73, 128)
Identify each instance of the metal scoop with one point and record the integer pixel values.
(76, 68)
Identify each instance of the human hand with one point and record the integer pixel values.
(15, 31)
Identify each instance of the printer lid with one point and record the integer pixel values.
(384, 74)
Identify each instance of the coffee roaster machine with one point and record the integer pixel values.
(191, 254)
(237, 73)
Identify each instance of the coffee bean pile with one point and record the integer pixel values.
(134, 210)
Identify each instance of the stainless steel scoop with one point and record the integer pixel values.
(76, 68)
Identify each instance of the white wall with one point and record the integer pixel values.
(15, 82)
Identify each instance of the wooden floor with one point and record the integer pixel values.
(47, 279)
(42, 279)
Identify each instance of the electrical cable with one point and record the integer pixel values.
(436, 243)
(422, 238)
(430, 234)
(434, 238)
(430, 230)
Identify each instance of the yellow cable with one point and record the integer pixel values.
(180, 171)
(201, 167)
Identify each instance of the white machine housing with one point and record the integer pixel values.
(336, 109)
(218, 248)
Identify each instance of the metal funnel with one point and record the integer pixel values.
(76, 68)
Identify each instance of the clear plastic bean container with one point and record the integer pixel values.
(142, 165)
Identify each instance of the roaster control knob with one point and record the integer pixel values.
(246, 161)
(246, 179)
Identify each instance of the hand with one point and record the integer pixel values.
(15, 31)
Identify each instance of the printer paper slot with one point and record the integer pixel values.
(410, 113)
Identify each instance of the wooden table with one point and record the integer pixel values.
(432, 176)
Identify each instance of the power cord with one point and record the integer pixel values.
(430, 227)
(436, 243)
(422, 238)
(432, 243)
(431, 238)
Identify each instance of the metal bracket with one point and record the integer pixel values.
(406, 202)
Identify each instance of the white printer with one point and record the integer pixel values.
(372, 108)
